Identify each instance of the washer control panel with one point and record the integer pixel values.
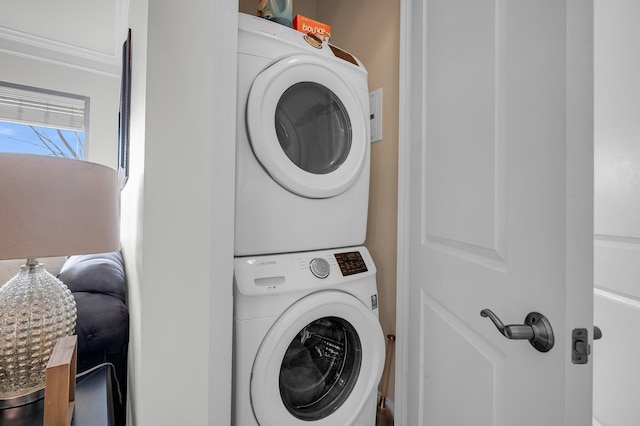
(319, 267)
(294, 272)
(351, 263)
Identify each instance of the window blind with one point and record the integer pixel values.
(18, 105)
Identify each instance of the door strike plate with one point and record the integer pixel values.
(580, 346)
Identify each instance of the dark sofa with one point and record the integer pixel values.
(98, 284)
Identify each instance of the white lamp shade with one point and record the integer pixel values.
(51, 206)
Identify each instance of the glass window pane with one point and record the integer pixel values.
(40, 121)
(320, 368)
(21, 138)
(313, 128)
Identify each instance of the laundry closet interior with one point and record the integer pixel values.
(378, 52)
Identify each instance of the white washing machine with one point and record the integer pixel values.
(308, 347)
(303, 142)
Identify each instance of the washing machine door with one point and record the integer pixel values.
(320, 362)
(307, 127)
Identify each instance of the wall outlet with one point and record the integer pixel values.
(375, 108)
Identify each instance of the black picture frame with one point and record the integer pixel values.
(124, 116)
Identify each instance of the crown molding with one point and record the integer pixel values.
(51, 51)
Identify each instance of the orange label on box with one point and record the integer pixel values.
(308, 25)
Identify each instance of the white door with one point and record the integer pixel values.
(495, 210)
(617, 208)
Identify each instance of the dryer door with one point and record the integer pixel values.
(320, 362)
(307, 127)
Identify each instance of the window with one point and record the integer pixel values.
(38, 121)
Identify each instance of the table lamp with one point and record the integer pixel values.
(49, 206)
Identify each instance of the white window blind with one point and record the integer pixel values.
(44, 109)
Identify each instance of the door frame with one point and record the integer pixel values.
(579, 89)
(404, 179)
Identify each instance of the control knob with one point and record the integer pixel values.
(319, 267)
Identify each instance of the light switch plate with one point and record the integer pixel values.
(375, 108)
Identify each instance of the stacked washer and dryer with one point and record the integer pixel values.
(308, 347)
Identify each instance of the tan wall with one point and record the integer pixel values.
(303, 7)
(370, 30)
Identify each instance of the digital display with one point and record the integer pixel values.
(351, 263)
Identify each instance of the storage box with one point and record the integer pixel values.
(308, 25)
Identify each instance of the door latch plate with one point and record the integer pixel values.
(580, 346)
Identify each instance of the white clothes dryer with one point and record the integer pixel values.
(303, 144)
(308, 347)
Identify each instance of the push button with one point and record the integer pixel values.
(319, 267)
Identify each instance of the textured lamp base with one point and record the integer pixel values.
(17, 401)
(36, 309)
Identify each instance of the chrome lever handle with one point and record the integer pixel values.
(513, 331)
(536, 329)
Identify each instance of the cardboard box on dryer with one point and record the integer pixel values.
(308, 25)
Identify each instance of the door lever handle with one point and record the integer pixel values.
(536, 329)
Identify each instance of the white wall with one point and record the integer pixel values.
(617, 212)
(102, 89)
(177, 224)
(70, 46)
(177, 209)
(88, 24)
(32, 53)
(132, 213)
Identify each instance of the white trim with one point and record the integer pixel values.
(404, 157)
(51, 51)
(225, 73)
(617, 298)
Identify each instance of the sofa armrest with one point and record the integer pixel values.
(97, 282)
(95, 273)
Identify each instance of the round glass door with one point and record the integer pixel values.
(307, 126)
(320, 362)
(320, 368)
(313, 128)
